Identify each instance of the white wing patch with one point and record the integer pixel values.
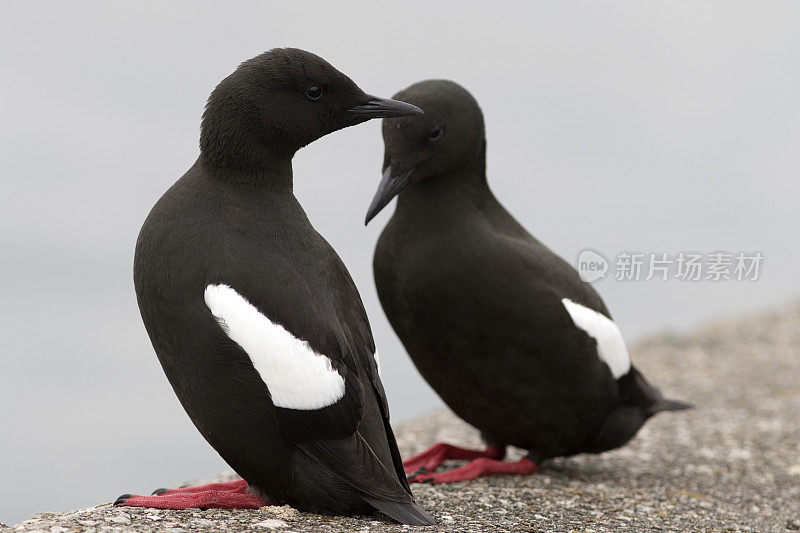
(610, 344)
(297, 377)
(377, 363)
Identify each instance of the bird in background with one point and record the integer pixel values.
(255, 319)
(502, 328)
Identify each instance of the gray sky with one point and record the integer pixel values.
(621, 126)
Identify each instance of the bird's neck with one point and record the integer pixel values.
(237, 146)
(256, 168)
(459, 186)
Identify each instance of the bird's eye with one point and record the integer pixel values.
(314, 92)
(436, 133)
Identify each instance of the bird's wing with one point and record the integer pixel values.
(316, 396)
(314, 351)
(539, 305)
(582, 304)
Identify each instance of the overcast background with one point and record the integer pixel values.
(652, 127)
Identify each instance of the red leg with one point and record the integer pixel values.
(482, 466)
(440, 452)
(238, 485)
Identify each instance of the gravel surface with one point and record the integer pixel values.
(731, 464)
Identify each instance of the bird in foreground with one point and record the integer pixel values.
(503, 329)
(255, 319)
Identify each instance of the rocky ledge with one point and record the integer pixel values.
(731, 464)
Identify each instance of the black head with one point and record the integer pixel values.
(280, 101)
(448, 137)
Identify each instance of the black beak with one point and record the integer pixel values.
(384, 108)
(390, 186)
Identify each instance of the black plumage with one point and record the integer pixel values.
(233, 220)
(478, 302)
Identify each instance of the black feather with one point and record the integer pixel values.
(404, 512)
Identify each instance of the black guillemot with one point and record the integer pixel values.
(503, 329)
(255, 319)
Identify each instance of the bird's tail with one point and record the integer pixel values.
(404, 512)
(665, 404)
(649, 399)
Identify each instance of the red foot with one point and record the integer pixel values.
(238, 485)
(482, 466)
(228, 495)
(440, 452)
